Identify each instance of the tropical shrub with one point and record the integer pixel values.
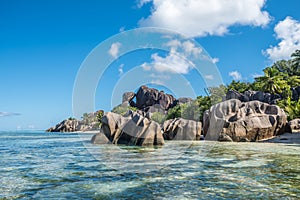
(158, 117)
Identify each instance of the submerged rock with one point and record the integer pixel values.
(131, 129)
(250, 121)
(181, 129)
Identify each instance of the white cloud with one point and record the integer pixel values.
(171, 63)
(114, 49)
(235, 75)
(190, 49)
(121, 69)
(146, 66)
(215, 60)
(143, 2)
(7, 114)
(177, 59)
(288, 32)
(203, 17)
(157, 82)
(187, 47)
(160, 76)
(209, 77)
(256, 75)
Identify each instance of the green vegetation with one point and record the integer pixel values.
(292, 108)
(193, 110)
(93, 118)
(123, 110)
(158, 117)
(278, 79)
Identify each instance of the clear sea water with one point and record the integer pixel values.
(38, 165)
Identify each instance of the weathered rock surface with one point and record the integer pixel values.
(253, 96)
(89, 123)
(100, 138)
(295, 124)
(249, 121)
(65, 126)
(128, 97)
(181, 129)
(146, 97)
(131, 129)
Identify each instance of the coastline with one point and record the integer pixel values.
(286, 138)
(87, 132)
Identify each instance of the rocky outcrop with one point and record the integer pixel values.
(88, 123)
(147, 97)
(295, 93)
(295, 124)
(65, 126)
(130, 129)
(253, 96)
(128, 96)
(181, 129)
(248, 121)
(183, 100)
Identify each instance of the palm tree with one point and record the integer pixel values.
(296, 61)
(272, 81)
(293, 81)
(284, 66)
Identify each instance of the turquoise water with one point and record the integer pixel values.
(37, 165)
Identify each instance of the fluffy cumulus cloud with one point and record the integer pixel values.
(177, 60)
(204, 17)
(235, 75)
(288, 32)
(114, 49)
(171, 63)
(186, 48)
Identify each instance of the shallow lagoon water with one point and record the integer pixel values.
(38, 165)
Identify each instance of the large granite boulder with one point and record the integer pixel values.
(181, 129)
(146, 97)
(130, 129)
(253, 96)
(249, 121)
(295, 124)
(65, 126)
(128, 97)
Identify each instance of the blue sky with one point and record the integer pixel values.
(44, 43)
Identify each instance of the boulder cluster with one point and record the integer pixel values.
(233, 120)
(89, 123)
(151, 100)
(136, 129)
(248, 117)
(260, 96)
